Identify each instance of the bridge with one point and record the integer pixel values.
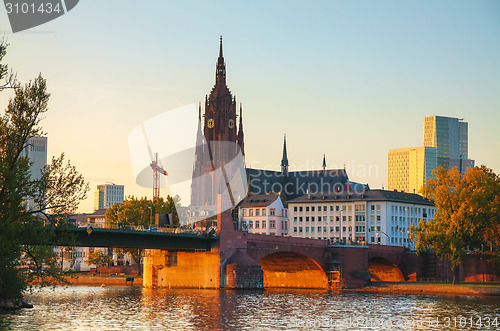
(97, 237)
(242, 260)
(237, 259)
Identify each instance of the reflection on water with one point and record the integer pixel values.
(126, 308)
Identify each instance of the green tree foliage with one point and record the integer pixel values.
(98, 258)
(467, 215)
(56, 194)
(142, 212)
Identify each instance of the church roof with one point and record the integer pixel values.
(295, 183)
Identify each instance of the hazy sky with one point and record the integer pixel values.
(349, 79)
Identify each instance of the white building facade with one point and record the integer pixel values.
(105, 196)
(263, 214)
(373, 216)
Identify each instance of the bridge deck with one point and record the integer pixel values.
(130, 239)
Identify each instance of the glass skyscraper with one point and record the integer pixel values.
(450, 137)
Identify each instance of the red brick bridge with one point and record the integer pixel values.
(243, 260)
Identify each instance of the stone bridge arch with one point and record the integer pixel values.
(288, 269)
(383, 270)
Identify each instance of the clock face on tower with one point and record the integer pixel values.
(230, 124)
(210, 123)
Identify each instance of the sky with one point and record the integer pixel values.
(348, 79)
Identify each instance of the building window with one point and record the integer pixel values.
(271, 212)
(307, 229)
(286, 212)
(312, 228)
(372, 207)
(272, 224)
(331, 208)
(300, 218)
(312, 208)
(378, 218)
(324, 208)
(331, 229)
(263, 211)
(324, 219)
(378, 207)
(244, 212)
(300, 208)
(307, 208)
(295, 209)
(257, 225)
(294, 229)
(300, 229)
(295, 219)
(337, 208)
(257, 212)
(307, 218)
(263, 224)
(250, 212)
(319, 228)
(337, 228)
(343, 229)
(250, 224)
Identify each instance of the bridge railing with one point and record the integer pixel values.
(164, 229)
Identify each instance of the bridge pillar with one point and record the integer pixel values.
(347, 266)
(176, 269)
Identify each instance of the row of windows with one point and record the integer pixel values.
(360, 207)
(262, 212)
(263, 224)
(325, 229)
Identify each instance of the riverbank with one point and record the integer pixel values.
(479, 289)
(91, 280)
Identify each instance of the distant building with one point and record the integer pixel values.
(373, 216)
(105, 196)
(408, 169)
(36, 152)
(263, 214)
(449, 136)
(445, 145)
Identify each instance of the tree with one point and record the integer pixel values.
(98, 258)
(57, 193)
(140, 212)
(467, 215)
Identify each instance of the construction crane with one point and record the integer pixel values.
(157, 170)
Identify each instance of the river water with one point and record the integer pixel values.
(132, 308)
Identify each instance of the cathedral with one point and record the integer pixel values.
(219, 167)
(219, 147)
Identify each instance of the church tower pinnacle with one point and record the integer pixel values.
(220, 76)
(284, 159)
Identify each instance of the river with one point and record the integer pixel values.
(132, 308)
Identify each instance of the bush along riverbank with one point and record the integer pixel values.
(13, 304)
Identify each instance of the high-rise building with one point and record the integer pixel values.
(105, 196)
(450, 137)
(36, 152)
(408, 169)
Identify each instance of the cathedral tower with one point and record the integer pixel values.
(223, 139)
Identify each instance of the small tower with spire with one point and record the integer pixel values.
(284, 159)
(324, 162)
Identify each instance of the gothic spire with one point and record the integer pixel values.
(220, 77)
(284, 159)
(220, 49)
(240, 134)
(324, 162)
